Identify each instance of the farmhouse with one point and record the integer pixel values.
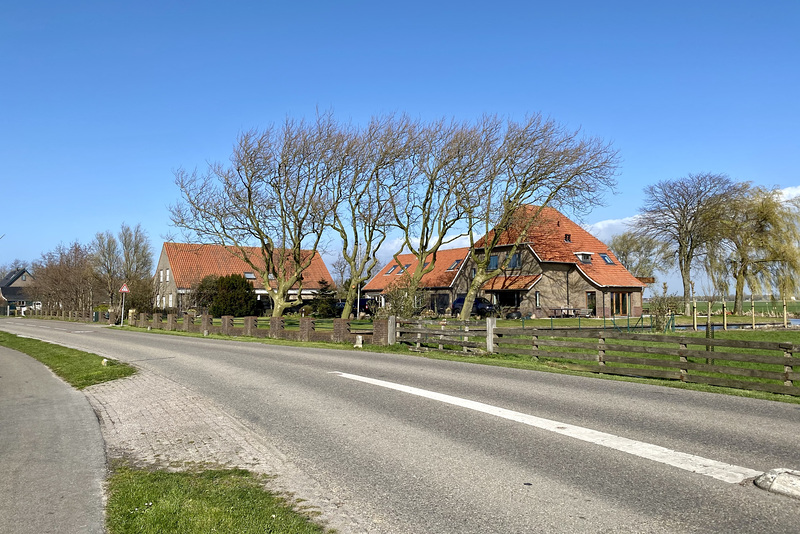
(442, 285)
(181, 267)
(558, 269)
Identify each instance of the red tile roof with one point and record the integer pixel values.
(555, 238)
(190, 263)
(516, 283)
(443, 273)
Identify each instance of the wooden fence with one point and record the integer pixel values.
(754, 365)
(303, 329)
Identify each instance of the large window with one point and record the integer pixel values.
(515, 261)
(493, 263)
(620, 303)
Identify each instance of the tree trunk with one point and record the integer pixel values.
(738, 299)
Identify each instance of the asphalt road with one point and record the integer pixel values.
(417, 445)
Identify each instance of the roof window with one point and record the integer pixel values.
(404, 269)
(607, 259)
(454, 266)
(390, 271)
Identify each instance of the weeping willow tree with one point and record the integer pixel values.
(759, 246)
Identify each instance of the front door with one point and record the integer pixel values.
(591, 302)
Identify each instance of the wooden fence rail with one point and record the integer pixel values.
(754, 365)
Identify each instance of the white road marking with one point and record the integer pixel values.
(733, 474)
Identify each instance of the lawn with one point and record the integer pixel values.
(77, 368)
(225, 500)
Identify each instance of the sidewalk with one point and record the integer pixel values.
(52, 454)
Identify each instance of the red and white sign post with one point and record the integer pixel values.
(124, 289)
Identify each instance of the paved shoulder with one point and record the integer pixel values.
(52, 455)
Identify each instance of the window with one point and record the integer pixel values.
(161, 276)
(567, 238)
(424, 265)
(24, 277)
(492, 263)
(404, 269)
(249, 275)
(515, 261)
(390, 271)
(585, 257)
(620, 303)
(607, 259)
(454, 266)
(170, 300)
(537, 299)
(167, 275)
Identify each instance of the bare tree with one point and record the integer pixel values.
(275, 195)
(527, 166)
(445, 160)
(64, 278)
(685, 214)
(759, 243)
(363, 195)
(14, 265)
(106, 261)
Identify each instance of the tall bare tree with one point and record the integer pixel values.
(106, 263)
(445, 160)
(371, 175)
(527, 166)
(759, 243)
(685, 214)
(275, 195)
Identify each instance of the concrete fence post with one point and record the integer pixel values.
(142, 320)
(250, 326)
(227, 324)
(188, 321)
(391, 330)
(380, 331)
(157, 321)
(172, 322)
(205, 322)
(276, 327)
(491, 322)
(306, 327)
(340, 330)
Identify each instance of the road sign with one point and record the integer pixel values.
(124, 289)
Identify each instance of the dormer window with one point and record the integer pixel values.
(585, 257)
(454, 266)
(606, 258)
(249, 276)
(567, 238)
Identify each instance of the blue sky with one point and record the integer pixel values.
(101, 100)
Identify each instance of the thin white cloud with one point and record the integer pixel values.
(605, 230)
(790, 192)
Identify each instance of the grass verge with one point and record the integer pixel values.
(77, 368)
(225, 500)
